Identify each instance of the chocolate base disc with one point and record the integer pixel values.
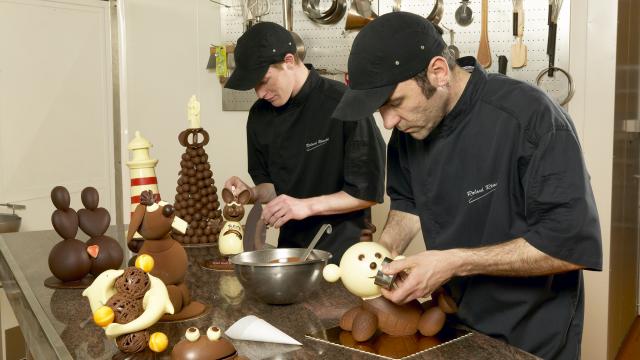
(217, 265)
(192, 311)
(55, 283)
(147, 354)
(199, 245)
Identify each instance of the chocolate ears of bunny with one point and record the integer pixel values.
(243, 198)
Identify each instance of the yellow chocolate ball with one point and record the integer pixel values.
(103, 316)
(158, 342)
(145, 262)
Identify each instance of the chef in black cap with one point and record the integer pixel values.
(491, 170)
(309, 168)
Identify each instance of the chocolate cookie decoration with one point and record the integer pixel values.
(196, 199)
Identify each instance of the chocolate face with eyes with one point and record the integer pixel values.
(358, 268)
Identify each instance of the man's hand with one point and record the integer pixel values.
(284, 208)
(427, 271)
(236, 185)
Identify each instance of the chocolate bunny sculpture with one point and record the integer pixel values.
(154, 222)
(230, 241)
(69, 260)
(94, 221)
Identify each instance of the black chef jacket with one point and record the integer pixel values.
(505, 163)
(305, 153)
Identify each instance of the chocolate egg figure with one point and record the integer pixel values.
(358, 268)
(69, 260)
(204, 347)
(230, 241)
(154, 221)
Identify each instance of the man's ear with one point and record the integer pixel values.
(438, 71)
(289, 59)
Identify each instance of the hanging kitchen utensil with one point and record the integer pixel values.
(287, 19)
(464, 14)
(436, 13)
(554, 11)
(502, 64)
(484, 53)
(396, 5)
(546, 84)
(359, 15)
(518, 50)
(331, 15)
(454, 49)
(253, 10)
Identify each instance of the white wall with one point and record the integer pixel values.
(593, 55)
(167, 49)
(55, 104)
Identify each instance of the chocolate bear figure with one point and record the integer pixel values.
(94, 221)
(69, 260)
(154, 223)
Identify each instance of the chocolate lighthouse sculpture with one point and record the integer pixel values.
(196, 199)
(142, 170)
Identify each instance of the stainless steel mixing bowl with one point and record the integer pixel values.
(280, 283)
(9, 223)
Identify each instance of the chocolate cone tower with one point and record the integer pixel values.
(196, 198)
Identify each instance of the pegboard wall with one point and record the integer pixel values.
(328, 46)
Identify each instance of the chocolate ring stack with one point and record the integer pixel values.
(196, 200)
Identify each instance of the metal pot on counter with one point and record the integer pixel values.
(11, 222)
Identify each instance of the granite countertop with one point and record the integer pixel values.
(58, 323)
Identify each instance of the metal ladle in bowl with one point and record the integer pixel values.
(324, 228)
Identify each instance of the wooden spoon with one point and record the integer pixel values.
(484, 54)
(519, 50)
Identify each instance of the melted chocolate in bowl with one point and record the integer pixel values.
(291, 259)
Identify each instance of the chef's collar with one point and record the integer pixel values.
(305, 91)
(466, 102)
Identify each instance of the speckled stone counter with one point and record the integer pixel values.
(58, 324)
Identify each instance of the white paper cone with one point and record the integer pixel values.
(255, 329)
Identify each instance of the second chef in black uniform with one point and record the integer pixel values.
(308, 168)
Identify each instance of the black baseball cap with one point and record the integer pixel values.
(390, 49)
(263, 44)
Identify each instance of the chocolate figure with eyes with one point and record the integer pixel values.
(154, 222)
(210, 347)
(358, 268)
